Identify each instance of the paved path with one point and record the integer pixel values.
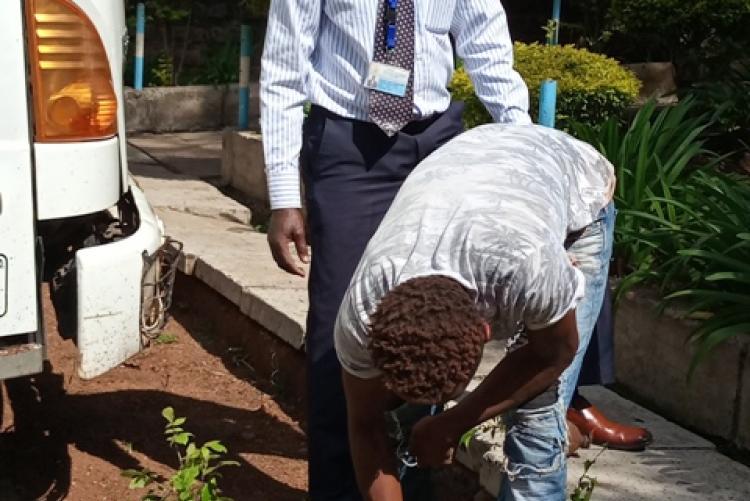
(230, 256)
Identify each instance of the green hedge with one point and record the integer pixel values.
(702, 37)
(591, 87)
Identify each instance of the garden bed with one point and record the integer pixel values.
(71, 438)
(653, 360)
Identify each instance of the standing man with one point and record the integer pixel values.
(376, 73)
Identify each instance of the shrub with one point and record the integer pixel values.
(652, 157)
(713, 272)
(729, 96)
(591, 87)
(682, 225)
(699, 36)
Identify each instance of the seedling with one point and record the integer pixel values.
(197, 477)
(586, 483)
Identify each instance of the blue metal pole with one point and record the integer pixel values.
(246, 49)
(556, 18)
(140, 30)
(547, 103)
(548, 90)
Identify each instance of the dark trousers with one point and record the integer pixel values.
(599, 361)
(352, 171)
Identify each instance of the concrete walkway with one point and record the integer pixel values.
(226, 253)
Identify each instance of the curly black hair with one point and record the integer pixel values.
(426, 336)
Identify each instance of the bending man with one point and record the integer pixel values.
(508, 226)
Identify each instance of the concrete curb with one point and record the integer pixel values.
(652, 362)
(266, 295)
(243, 166)
(186, 108)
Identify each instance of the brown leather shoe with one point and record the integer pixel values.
(590, 421)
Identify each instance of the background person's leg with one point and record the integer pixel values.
(599, 361)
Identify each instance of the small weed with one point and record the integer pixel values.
(166, 338)
(491, 427)
(586, 483)
(197, 477)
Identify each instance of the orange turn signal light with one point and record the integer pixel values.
(74, 97)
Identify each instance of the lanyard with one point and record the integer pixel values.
(390, 24)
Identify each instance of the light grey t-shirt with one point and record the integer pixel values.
(492, 209)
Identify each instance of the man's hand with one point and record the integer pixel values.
(432, 441)
(287, 226)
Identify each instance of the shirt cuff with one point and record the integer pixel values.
(284, 189)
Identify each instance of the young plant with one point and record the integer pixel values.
(586, 483)
(197, 476)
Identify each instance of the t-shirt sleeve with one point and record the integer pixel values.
(350, 333)
(545, 287)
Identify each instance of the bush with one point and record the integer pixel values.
(682, 225)
(653, 157)
(591, 87)
(729, 96)
(699, 36)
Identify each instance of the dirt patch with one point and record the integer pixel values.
(63, 438)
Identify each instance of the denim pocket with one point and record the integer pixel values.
(535, 443)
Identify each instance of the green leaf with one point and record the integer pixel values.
(168, 414)
(140, 482)
(216, 446)
(207, 493)
(182, 438)
(729, 276)
(139, 478)
(467, 437)
(131, 473)
(716, 297)
(228, 463)
(717, 257)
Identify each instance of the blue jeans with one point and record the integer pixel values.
(536, 439)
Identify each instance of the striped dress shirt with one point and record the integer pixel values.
(320, 50)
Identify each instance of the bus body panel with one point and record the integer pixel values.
(18, 275)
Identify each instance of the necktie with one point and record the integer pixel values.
(388, 111)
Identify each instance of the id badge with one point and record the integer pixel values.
(387, 78)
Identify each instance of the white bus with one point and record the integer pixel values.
(69, 212)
